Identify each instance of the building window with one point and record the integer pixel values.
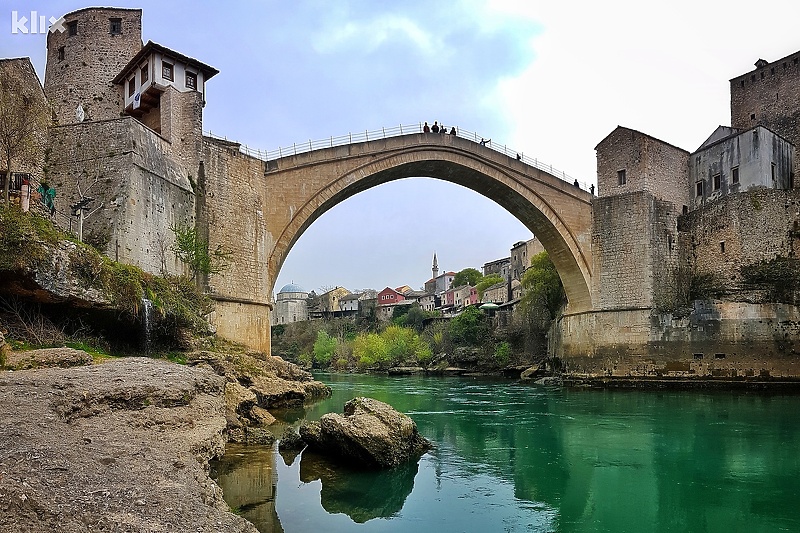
(72, 28)
(699, 188)
(772, 169)
(752, 77)
(191, 81)
(622, 179)
(722, 247)
(145, 74)
(717, 182)
(752, 116)
(61, 54)
(166, 70)
(115, 26)
(742, 83)
(132, 86)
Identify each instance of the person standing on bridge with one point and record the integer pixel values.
(426, 128)
(453, 130)
(435, 128)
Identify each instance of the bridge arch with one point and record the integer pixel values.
(258, 209)
(558, 213)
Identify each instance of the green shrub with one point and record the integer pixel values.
(502, 353)
(324, 347)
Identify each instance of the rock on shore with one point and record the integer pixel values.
(370, 434)
(121, 446)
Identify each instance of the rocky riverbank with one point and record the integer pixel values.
(124, 445)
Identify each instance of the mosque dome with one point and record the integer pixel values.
(291, 287)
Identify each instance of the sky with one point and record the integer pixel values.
(547, 79)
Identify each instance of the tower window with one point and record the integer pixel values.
(115, 26)
(699, 188)
(61, 54)
(717, 182)
(722, 247)
(191, 81)
(752, 116)
(166, 71)
(735, 175)
(622, 178)
(72, 28)
(772, 169)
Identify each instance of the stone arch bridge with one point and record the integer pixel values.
(258, 209)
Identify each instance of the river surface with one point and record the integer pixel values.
(511, 458)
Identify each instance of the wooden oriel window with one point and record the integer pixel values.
(167, 70)
(191, 80)
(145, 73)
(132, 86)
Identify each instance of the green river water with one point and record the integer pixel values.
(511, 458)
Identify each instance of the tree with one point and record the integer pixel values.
(470, 328)
(23, 121)
(468, 276)
(541, 286)
(324, 348)
(194, 253)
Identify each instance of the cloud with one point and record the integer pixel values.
(369, 35)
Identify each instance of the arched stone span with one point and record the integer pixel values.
(299, 189)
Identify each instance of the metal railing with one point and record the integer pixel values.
(396, 131)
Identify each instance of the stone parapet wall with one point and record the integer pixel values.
(130, 171)
(234, 209)
(739, 230)
(717, 340)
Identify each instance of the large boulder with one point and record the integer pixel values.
(370, 434)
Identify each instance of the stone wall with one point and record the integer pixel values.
(718, 339)
(634, 249)
(770, 96)
(131, 173)
(648, 165)
(91, 59)
(232, 204)
(182, 125)
(738, 230)
(521, 254)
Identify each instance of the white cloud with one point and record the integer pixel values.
(368, 35)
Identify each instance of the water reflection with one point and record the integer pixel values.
(247, 478)
(517, 458)
(360, 494)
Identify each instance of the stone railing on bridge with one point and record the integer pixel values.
(395, 131)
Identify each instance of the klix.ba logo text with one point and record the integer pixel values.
(35, 23)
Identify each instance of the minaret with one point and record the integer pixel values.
(435, 268)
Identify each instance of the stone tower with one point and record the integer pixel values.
(769, 96)
(82, 61)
